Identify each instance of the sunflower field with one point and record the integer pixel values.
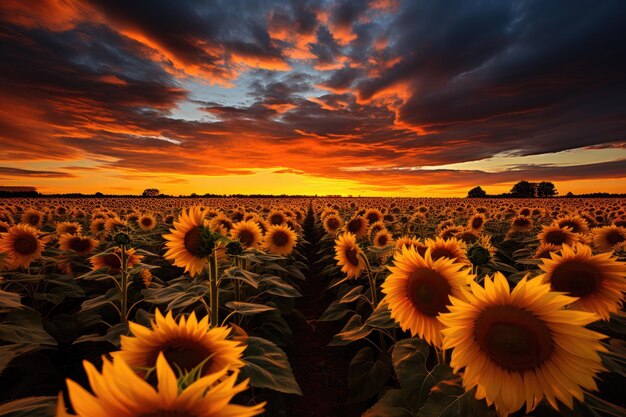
(373, 307)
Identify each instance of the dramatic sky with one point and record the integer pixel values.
(372, 97)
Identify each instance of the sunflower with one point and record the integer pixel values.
(609, 238)
(82, 245)
(276, 217)
(419, 289)
(332, 224)
(357, 225)
(349, 256)
(544, 250)
(112, 262)
(190, 241)
(597, 281)
(476, 222)
(68, 227)
(32, 218)
(576, 223)
(118, 391)
(375, 228)
(248, 233)
(280, 239)
(382, 238)
(221, 224)
(557, 235)
(4, 227)
(147, 222)
(449, 248)
(22, 244)
(373, 215)
(522, 345)
(114, 225)
(468, 236)
(185, 345)
(97, 227)
(410, 241)
(521, 224)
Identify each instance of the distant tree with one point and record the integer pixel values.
(546, 189)
(476, 192)
(523, 189)
(99, 194)
(569, 194)
(150, 192)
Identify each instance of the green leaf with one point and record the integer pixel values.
(10, 352)
(241, 274)
(274, 285)
(449, 399)
(25, 326)
(352, 331)
(248, 309)
(381, 317)
(392, 404)
(267, 366)
(29, 407)
(335, 311)
(352, 295)
(112, 335)
(9, 300)
(366, 376)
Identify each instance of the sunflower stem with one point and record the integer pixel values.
(372, 281)
(124, 286)
(213, 278)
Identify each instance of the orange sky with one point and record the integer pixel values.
(309, 97)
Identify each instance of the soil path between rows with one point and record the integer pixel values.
(320, 370)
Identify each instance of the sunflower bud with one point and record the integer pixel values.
(234, 248)
(478, 255)
(122, 239)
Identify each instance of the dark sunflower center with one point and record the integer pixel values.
(576, 278)
(429, 292)
(33, 219)
(280, 238)
(168, 413)
(354, 226)
(382, 240)
(441, 253)
(477, 222)
(614, 237)
(186, 354)
(146, 221)
(79, 244)
(25, 244)
(556, 237)
(71, 229)
(332, 223)
(194, 242)
(112, 261)
(246, 237)
(513, 338)
(575, 227)
(276, 219)
(352, 256)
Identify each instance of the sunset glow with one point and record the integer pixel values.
(371, 98)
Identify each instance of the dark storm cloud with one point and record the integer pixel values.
(17, 172)
(327, 84)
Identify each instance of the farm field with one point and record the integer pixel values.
(367, 307)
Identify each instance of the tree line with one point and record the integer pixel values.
(522, 189)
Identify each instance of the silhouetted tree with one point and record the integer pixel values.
(150, 192)
(546, 189)
(523, 189)
(476, 192)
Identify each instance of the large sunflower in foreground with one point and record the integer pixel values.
(184, 344)
(280, 239)
(521, 346)
(557, 235)
(21, 243)
(118, 391)
(188, 243)
(419, 289)
(451, 248)
(349, 256)
(248, 233)
(598, 281)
